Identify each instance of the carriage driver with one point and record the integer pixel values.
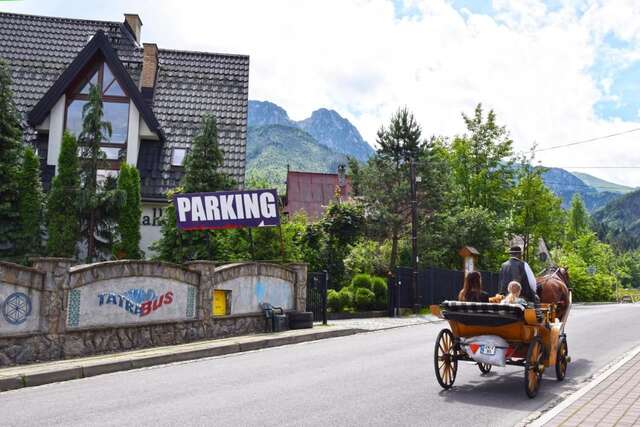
(515, 269)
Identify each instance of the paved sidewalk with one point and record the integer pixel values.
(381, 323)
(613, 402)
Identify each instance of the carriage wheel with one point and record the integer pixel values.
(485, 368)
(562, 359)
(445, 359)
(533, 368)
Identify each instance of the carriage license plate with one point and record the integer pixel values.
(488, 349)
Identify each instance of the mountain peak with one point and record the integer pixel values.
(337, 133)
(263, 113)
(327, 126)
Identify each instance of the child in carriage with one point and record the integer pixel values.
(513, 297)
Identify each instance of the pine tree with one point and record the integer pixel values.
(63, 224)
(99, 203)
(30, 204)
(129, 215)
(578, 220)
(204, 161)
(10, 160)
(201, 175)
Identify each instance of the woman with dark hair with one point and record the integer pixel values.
(472, 289)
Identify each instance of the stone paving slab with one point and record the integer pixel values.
(381, 323)
(63, 370)
(615, 401)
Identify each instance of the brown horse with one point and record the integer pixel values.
(553, 288)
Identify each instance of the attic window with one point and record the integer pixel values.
(115, 108)
(177, 157)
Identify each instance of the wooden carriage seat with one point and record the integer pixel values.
(482, 313)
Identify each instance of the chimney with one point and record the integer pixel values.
(132, 20)
(149, 71)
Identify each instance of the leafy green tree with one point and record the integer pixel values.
(99, 201)
(593, 268)
(578, 220)
(202, 174)
(63, 225)
(628, 266)
(537, 212)
(481, 164)
(129, 215)
(326, 243)
(474, 226)
(10, 160)
(31, 201)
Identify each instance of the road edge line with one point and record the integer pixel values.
(573, 397)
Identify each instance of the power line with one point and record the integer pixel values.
(584, 141)
(597, 167)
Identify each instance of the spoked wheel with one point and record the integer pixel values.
(562, 359)
(533, 368)
(485, 368)
(445, 359)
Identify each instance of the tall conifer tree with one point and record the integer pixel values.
(201, 175)
(129, 215)
(63, 224)
(30, 204)
(99, 202)
(10, 160)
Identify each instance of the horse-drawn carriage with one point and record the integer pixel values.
(532, 337)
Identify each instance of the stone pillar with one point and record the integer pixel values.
(207, 282)
(56, 282)
(301, 285)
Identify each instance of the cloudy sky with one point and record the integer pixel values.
(554, 71)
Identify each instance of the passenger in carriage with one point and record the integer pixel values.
(515, 269)
(514, 294)
(472, 289)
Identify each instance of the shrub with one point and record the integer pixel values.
(345, 296)
(364, 299)
(361, 281)
(333, 300)
(379, 286)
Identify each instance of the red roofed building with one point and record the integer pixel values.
(311, 192)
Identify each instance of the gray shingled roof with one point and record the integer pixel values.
(189, 84)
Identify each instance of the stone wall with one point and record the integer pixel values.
(55, 282)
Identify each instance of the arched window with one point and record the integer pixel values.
(116, 108)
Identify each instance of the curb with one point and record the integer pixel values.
(571, 398)
(77, 372)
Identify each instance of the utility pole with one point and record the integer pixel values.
(414, 235)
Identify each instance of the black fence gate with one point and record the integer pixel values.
(317, 295)
(434, 285)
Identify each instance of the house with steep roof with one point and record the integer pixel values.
(153, 97)
(311, 192)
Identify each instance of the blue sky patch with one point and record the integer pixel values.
(477, 7)
(404, 10)
(611, 40)
(626, 89)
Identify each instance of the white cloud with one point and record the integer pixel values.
(527, 62)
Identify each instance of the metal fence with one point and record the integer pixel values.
(317, 295)
(434, 285)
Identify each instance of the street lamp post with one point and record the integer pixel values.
(414, 236)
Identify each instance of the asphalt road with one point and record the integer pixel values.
(379, 378)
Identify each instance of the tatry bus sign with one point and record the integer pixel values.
(227, 209)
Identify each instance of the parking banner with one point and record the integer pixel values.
(227, 209)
